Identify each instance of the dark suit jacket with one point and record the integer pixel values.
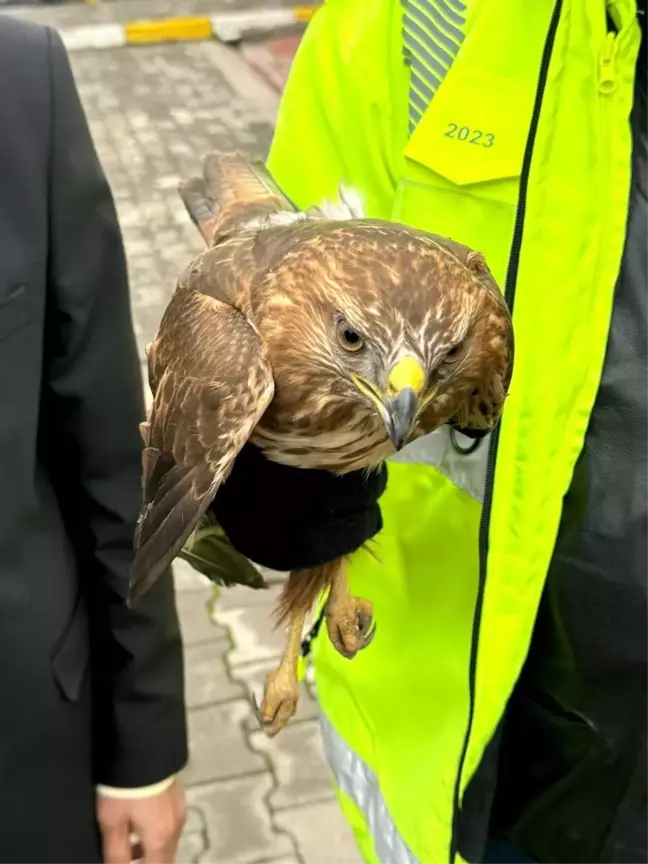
(90, 690)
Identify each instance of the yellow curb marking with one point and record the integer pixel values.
(168, 30)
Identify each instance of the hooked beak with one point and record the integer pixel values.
(405, 384)
(401, 413)
(399, 407)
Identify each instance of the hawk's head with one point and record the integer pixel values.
(370, 318)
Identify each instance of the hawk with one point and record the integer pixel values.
(327, 339)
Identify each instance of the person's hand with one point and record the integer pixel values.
(289, 518)
(156, 821)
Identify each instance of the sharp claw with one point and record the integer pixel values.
(257, 710)
(369, 637)
(259, 716)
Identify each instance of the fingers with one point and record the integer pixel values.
(159, 832)
(160, 843)
(142, 829)
(115, 841)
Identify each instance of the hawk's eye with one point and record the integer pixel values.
(349, 338)
(455, 350)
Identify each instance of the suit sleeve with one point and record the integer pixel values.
(93, 405)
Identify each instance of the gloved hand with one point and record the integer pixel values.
(294, 518)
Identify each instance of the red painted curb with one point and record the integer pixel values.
(272, 59)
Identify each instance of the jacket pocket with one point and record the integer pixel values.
(474, 130)
(72, 653)
(463, 164)
(14, 308)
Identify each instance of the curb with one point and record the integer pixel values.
(224, 26)
(272, 58)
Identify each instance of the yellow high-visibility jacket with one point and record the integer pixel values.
(501, 124)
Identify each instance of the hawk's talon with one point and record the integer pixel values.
(256, 710)
(280, 698)
(349, 621)
(368, 639)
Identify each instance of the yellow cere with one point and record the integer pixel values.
(408, 372)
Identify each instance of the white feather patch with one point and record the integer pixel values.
(273, 220)
(348, 206)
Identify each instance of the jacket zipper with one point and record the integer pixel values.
(607, 65)
(509, 296)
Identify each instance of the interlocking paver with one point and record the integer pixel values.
(217, 746)
(321, 833)
(240, 823)
(290, 859)
(194, 838)
(191, 846)
(195, 822)
(298, 761)
(108, 11)
(240, 597)
(155, 112)
(206, 674)
(188, 579)
(197, 626)
(253, 633)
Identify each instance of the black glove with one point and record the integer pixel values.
(294, 518)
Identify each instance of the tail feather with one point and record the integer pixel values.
(200, 207)
(233, 190)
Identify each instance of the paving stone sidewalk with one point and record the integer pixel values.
(80, 13)
(154, 111)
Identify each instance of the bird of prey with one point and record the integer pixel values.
(327, 339)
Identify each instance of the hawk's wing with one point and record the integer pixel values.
(481, 411)
(213, 386)
(233, 193)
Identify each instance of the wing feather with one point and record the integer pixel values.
(207, 402)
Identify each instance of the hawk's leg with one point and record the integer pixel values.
(281, 690)
(348, 618)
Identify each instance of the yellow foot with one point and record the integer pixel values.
(280, 698)
(349, 623)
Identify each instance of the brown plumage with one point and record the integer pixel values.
(327, 339)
